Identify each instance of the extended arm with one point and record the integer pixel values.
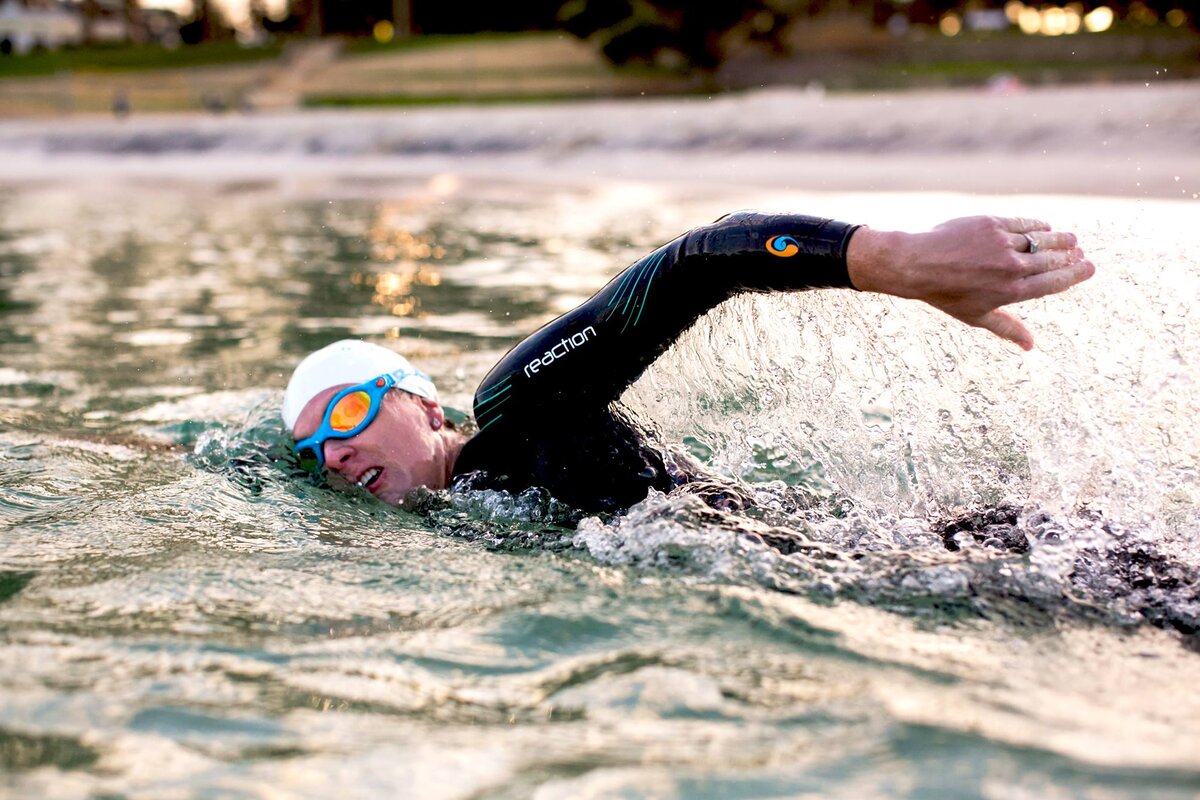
(596, 350)
(967, 268)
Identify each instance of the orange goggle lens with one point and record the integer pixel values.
(350, 411)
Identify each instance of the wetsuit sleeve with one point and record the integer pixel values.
(588, 356)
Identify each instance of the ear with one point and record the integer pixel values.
(433, 412)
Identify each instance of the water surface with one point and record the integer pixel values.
(184, 615)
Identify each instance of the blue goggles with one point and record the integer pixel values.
(348, 414)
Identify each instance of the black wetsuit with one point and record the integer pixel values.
(547, 414)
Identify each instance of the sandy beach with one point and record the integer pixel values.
(1129, 140)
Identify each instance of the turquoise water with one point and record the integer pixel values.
(183, 615)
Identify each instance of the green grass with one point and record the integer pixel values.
(417, 100)
(463, 75)
(374, 100)
(123, 58)
(963, 73)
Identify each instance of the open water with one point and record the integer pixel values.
(972, 572)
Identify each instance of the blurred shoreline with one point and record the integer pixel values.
(838, 52)
(1131, 140)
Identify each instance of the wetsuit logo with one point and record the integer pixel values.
(565, 346)
(782, 246)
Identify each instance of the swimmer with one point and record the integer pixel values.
(548, 415)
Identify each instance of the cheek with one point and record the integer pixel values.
(401, 441)
(394, 454)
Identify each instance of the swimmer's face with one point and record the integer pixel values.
(400, 450)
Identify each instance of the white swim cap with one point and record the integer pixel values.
(349, 361)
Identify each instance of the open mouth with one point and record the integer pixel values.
(368, 478)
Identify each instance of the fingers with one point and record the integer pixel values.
(1048, 261)
(1006, 326)
(1023, 225)
(1055, 279)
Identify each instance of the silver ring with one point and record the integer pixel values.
(1033, 245)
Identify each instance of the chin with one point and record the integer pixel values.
(395, 502)
(391, 496)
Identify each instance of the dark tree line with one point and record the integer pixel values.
(358, 17)
(688, 35)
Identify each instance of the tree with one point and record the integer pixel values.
(134, 29)
(205, 25)
(91, 12)
(672, 32)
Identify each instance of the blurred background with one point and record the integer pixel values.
(128, 56)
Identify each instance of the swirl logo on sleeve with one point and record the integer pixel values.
(782, 246)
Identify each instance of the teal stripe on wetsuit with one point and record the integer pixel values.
(566, 375)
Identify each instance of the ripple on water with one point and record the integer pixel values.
(185, 614)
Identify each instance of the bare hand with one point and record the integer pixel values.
(970, 267)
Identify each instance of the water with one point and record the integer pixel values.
(183, 615)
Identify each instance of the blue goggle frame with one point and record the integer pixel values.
(310, 451)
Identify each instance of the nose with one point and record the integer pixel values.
(337, 453)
